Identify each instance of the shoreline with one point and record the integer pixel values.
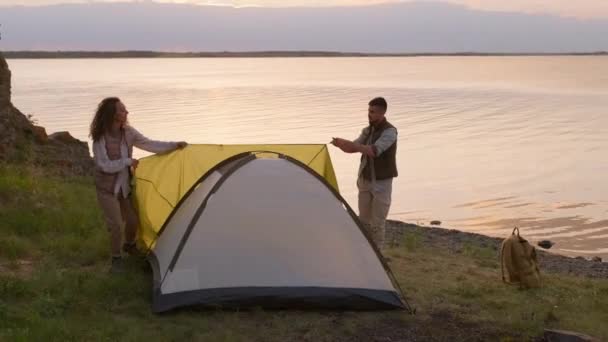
(459, 242)
(25, 54)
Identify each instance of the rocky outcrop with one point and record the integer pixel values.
(15, 128)
(23, 142)
(5, 83)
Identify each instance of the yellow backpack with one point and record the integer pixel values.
(519, 259)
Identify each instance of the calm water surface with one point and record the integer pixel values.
(485, 143)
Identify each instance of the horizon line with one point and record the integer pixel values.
(25, 54)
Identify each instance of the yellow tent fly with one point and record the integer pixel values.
(162, 180)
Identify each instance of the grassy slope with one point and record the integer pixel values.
(54, 285)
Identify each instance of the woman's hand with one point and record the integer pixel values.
(181, 144)
(134, 163)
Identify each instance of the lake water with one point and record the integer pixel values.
(485, 143)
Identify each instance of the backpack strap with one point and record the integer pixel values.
(502, 263)
(535, 259)
(502, 253)
(514, 229)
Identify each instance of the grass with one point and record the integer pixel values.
(54, 286)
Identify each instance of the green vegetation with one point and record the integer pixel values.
(54, 285)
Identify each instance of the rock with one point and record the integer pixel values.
(596, 259)
(40, 134)
(580, 258)
(435, 223)
(22, 142)
(5, 84)
(64, 137)
(566, 336)
(546, 244)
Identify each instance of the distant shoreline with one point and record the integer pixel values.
(264, 54)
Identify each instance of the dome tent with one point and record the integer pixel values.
(260, 229)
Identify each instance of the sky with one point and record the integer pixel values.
(405, 27)
(584, 9)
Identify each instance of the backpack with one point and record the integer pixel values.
(518, 257)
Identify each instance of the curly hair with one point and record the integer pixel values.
(104, 117)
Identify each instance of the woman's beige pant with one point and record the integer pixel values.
(117, 211)
(374, 204)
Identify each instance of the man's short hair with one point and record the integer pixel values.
(379, 102)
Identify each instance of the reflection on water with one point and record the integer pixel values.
(485, 203)
(574, 205)
(587, 235)
(484, 143)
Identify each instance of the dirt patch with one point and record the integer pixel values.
(437, 326)
(18, 268)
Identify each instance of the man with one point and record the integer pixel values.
(378, 147)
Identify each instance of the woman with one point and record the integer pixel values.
(113, 141)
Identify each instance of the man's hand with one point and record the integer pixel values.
(338, 142)
(181, 144)
(351, 147)
(343, 144)
(368, 150)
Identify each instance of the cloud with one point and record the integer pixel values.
(406, 27)
(566, 8)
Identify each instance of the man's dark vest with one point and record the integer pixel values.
(385, 165)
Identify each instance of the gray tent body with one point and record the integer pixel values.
(267, 232)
